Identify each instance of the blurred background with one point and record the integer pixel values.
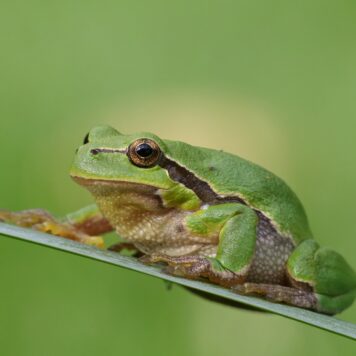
(272, 81)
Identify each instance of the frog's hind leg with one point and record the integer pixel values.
(195, 267)
(81, 226)
(332, 279)
(318, 279)
(280, 294)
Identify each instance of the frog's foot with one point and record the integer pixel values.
(25, 218)
(120, 246)
(280, 294)
(41, 220)
(195, 267)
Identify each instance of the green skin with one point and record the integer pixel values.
(217, 225)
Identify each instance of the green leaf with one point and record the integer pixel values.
(319, 320)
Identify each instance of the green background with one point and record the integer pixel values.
(273, 81)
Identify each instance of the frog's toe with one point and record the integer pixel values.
(169, 260)
(192, 267)
(195, 267)
(69, 232)
(204, 269)
(189, 269)
(43, 221)
(25, 218)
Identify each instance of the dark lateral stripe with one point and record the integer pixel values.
(201, 188)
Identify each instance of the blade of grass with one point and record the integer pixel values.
(319, 320)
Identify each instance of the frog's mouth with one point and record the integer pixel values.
(116, 185)
(111, 195)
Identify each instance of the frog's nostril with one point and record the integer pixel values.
(94, 151)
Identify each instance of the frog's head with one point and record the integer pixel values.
(109, 156)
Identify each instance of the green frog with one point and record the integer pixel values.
(205, 214)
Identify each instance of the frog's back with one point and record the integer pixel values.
(229, 175)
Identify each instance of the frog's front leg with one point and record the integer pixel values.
(83, 225)
(236, 225)
(194, 267)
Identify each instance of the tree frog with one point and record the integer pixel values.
(205, 214)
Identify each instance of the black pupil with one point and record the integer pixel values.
(144, 150)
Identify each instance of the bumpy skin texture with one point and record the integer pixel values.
(206, 214)
(230, 175)
(211, 214)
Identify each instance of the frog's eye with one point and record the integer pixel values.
(144, 153)
(86, 139)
